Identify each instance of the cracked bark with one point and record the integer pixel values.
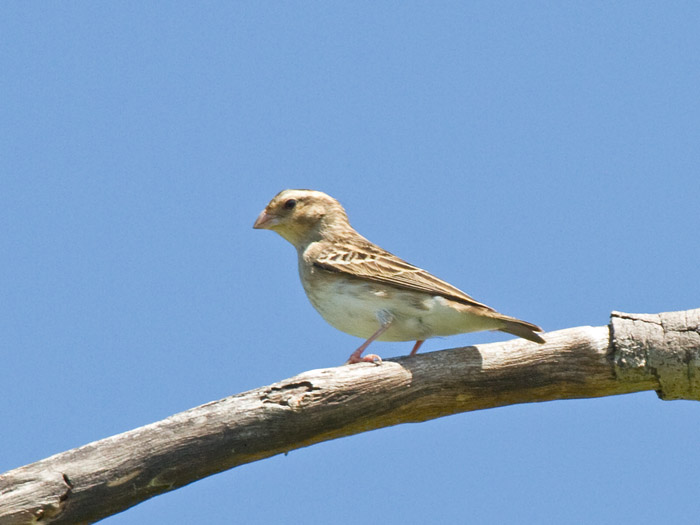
(635, 352)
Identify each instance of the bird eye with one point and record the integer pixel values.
(290, 203)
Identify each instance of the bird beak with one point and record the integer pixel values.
(265, 221)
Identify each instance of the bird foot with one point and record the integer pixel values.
(369, 358)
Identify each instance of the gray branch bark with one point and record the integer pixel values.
(635, 352)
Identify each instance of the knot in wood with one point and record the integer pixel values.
(294, 395)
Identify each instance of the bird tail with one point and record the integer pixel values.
(522, 329)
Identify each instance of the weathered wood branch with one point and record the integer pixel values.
(635, 352)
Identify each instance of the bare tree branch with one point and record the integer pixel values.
(635, 352)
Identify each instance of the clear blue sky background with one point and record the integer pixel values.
(542, 156)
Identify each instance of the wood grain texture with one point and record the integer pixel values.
(661, 347)
(635, 353)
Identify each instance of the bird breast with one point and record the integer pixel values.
(355, 306)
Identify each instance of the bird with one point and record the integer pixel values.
(368, 292)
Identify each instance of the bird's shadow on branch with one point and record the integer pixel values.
(468, 358)
(440, 368)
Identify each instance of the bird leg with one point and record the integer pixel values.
(416, 347)
(385, 322)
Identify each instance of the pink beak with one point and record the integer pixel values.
(265, 221)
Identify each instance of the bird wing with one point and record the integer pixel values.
(365, 260)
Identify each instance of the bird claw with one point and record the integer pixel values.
(372, 358)
(369, 358)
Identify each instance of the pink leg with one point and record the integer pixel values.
(416, 347)
(355, 357)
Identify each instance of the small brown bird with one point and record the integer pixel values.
(365, 291)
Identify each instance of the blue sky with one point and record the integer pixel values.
(542, 156)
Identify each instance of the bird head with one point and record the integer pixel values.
(302, 216)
